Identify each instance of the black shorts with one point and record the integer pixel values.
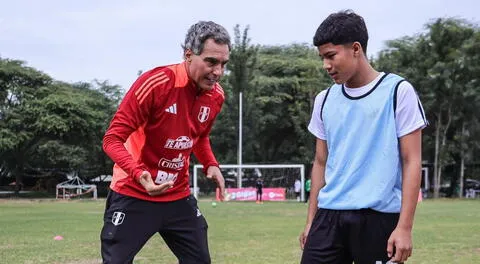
(346, 236)
(129, 223)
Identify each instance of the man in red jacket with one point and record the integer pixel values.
(167, 113)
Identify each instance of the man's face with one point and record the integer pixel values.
(207, 68)
(339, 61)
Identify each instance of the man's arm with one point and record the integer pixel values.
(126, 120)
(202, 148)
(132, 113)
(318, 181)
(203, 152)
(401, 237)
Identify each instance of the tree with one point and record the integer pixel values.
(19, 86)
(287, 80)
(238, 78)
(433, 62)
(52, 126)
(467, 136)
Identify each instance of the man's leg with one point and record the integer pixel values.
(185, 232)
(325, 243)
(128, 224)
(369, 236)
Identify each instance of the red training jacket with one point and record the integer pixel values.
(161, 120)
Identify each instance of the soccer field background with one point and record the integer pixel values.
(446, 231)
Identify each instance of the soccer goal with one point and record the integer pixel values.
(240, 181)
(74, 188)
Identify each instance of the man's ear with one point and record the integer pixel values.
(188, 55)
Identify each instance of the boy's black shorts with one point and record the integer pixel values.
(129, 223)
(346, 236)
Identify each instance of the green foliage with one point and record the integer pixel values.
(279, 84)
(46, 124)
(443, 65)
(287, 80)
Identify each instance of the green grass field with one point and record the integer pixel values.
(446, 231)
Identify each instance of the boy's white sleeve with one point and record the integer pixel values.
(409, 114)
(316, 123)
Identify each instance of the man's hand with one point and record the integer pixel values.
(303, 235)
(153, 189)
(401, 241)
(214, 173)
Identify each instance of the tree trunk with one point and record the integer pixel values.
(18, 171)
(18, 179)
(436, 184)
(439, 150)
(462, 161)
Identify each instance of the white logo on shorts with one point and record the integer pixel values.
(198, 212)
(117, 218)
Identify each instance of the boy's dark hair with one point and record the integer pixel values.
(343, 27)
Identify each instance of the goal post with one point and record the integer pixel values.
(276, 178)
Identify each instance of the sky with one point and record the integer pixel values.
(75, 41)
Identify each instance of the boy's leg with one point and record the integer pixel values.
(185, 231)
(128, 224)
(325, 243)
(369, 236)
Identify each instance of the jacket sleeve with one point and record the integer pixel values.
(131, 116)
(203, 152)
(203, 149)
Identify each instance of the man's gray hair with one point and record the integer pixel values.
(203, 30)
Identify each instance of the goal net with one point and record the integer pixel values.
(240, 182)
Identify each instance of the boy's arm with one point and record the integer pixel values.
(318, 181)
(401, 237)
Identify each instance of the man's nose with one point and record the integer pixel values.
(218, 70)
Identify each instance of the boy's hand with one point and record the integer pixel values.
(401, 241)
(303, 236)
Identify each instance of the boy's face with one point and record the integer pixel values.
(207, 68)
(339, 61)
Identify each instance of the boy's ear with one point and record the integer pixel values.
(357, 48)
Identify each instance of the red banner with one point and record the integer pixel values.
(250, 194)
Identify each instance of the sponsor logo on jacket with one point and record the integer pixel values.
(182, 142)
(163, 176)
(175, 164)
